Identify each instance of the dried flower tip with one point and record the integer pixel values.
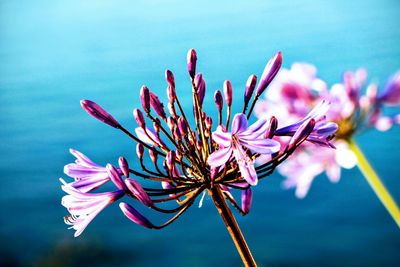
(138, 115)
(270, 71)
(145, 98)
(137, 190)
(191, 62)
(247, 197)
(250, 85)
(139, 150)
(218, 100)
(115, 176)
(169, 76)
(134, 215)
(124, 166)
(157, 105)
(228, 93)
(99, 113)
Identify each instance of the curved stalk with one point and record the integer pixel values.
(376, 184)
(233, 227)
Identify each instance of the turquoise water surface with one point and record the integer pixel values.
(54, 53)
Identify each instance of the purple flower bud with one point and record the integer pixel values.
(169, 76)
(250, 85)
(183, 126)
(145, 98)
(138, 115)
(200, 84)
(208, 123)
(247, 196)
(302, 133)
(218, 100)
(191, 62)
(157, 105)
(228, 93)
(170, 159)
(153, 155)
(270, 71)
(134, 215)
(171, 94)
(99, 113)
(139, 150)
(137, 190)
(123, 164)
(115, 176)
(177, 133)
(273, 125)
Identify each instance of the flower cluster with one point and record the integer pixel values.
(298, 89)
(181, 161)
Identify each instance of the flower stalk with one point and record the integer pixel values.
(375, 182)
(232, 227)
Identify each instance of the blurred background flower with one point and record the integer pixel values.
(54, 53)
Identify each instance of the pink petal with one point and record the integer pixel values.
(239, 123)
(221, 137)
(262, 146)
(219, 157)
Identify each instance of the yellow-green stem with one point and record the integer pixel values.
(375, 183)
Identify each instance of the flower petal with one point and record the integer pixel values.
(219, 157)
(239, 123)
(221, 137)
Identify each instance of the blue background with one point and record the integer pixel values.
(54, 53)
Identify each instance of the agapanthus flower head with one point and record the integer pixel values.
(188, 160)
(298, 89)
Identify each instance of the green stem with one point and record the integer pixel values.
(233, 227)
(375, 183)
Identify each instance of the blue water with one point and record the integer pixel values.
(54, 53)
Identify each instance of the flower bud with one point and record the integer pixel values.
(139, 151)
(169, 76)
(170, 159)
(183, 126)
(228, 93)
(115, 176)
(270, 71)
(99, 113)
(135, 216)
(250, 85)
(208, 122)
(153, 156)
(137, 190)
(145, 98)
(156, 125)
(200, 84)
(138, 115)
(123, 164)
(157, 105)
(302, 133)
(191, 62)
(178, 155)
(247, 196)
(273, 125)
(218, 100)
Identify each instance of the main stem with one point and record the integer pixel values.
(375, 183)
(233, 227)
